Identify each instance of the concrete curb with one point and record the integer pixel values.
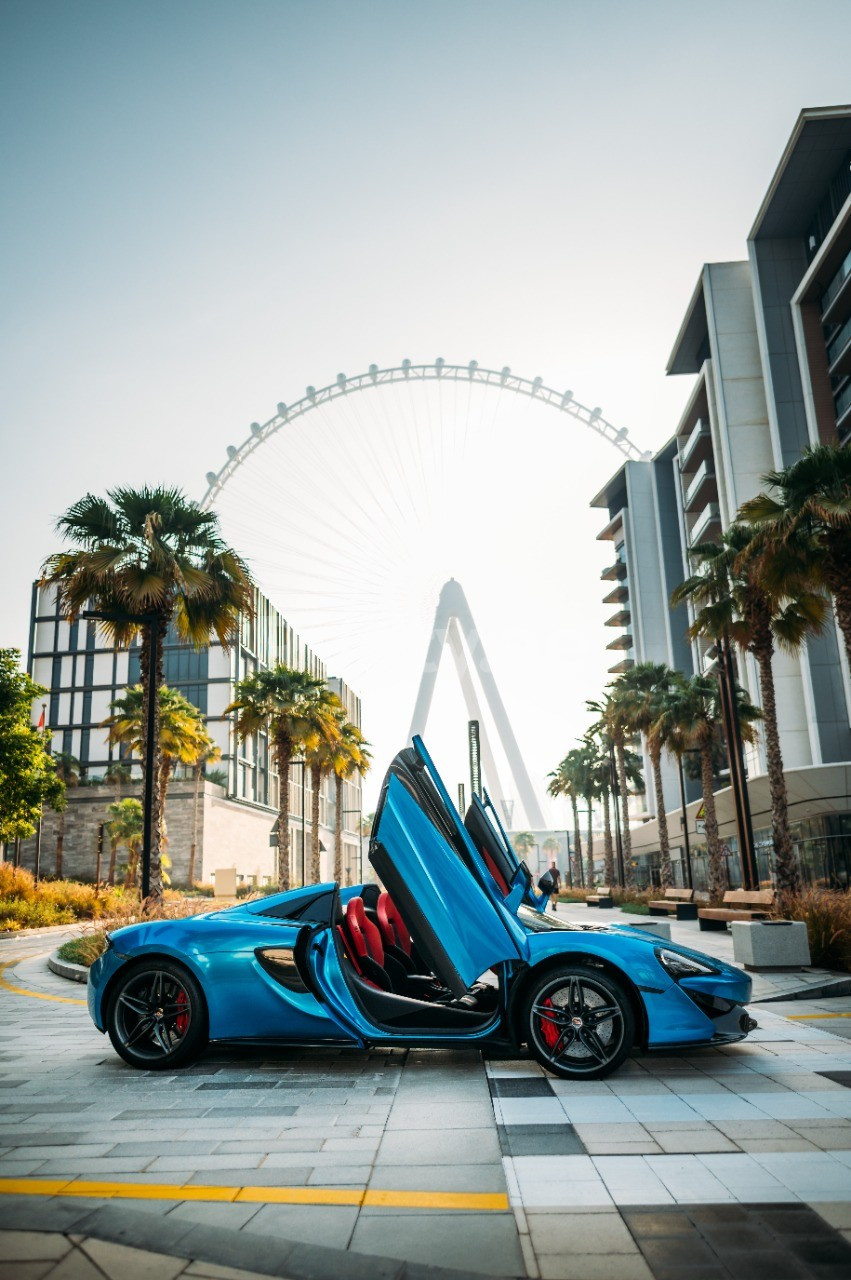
(65, 968)
(824, 991)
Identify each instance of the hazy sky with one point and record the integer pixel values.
(206, 206)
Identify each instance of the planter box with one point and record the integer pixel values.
(770, 944)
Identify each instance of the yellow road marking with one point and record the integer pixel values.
(34, 995)
(810, 1017)
(482, 1201)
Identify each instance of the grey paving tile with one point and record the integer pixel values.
(480, 1178)
(487, 1243)
(332, 1225)
(438, 1146)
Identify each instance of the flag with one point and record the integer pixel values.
(40, 724)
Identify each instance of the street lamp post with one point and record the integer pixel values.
(684, 821)
(151, 621)
(613, 773)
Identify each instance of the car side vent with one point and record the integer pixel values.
(280, 965)
(316, 909)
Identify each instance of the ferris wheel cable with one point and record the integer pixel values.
(336, 555)
(295, 466)
(392, 432)
(380, 457)
(419, 451)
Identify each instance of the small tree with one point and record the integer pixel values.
(125, 824)
(118, 774)
(28, 776)
(68, 772)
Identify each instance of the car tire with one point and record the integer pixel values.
(565, 1027)
(156, 1016)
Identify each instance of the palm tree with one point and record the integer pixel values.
(350, 757)
(754, 589)
(524, 842)
(813, 498)
(207, 753)
(279, 700)
(182, 736)
(600, 767)
(125, 825)
(642, 691)
(117, 773)
(67, 769)
(691, 717)
(564, 782)
(327, 715)
(150, 553)
(610, 718)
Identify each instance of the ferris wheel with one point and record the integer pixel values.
(356, 503)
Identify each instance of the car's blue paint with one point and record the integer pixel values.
(479, 928)
(439, 882)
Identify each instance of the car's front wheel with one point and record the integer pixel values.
(156, 1017)
(579, 1022)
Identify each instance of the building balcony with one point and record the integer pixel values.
(697, 446)
(702, 488)
(842, 405)
(615, 573)
(707, 525)
(621, 642)
(625, 664)
(839, 351)
(836, 299)
(619, 595)
(620, 619)
(609, 533)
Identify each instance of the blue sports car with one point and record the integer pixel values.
(452, 949)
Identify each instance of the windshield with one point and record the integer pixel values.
(537, 922)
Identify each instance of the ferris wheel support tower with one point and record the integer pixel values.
(451, 618)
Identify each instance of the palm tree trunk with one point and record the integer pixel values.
(589, 848)
(315, 784)
(609, 854)
(626, 838)
(665, 868)
(717, 869)
(60, 841)
(284, 760)
(577, 844)
(113, 849)
(194, 845)
(151, 668)
(338, 829)
(785, 864)
(839, 584)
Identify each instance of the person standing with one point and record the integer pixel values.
(555, 875)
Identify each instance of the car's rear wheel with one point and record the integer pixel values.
(156, 1017)
(579, 1022)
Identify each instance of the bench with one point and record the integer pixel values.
(678, 902)
(602, 899)
(738, 904)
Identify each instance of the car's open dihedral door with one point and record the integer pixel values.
(455, 924)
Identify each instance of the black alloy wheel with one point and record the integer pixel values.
(156, 1017)
(579, 1023)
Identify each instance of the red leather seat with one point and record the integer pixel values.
(363, 944)
(393, 930)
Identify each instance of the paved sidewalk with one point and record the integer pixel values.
(50, 1255)
(706, 1165)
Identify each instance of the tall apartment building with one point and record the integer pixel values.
(84, 673)
(767, 341)
(643, 526)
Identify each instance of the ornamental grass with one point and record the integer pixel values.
(827, 915)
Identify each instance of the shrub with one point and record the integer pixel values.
(27, 905)
(827, 915)
(85, 949)
(632, 908)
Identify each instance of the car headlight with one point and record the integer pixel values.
(680, 966)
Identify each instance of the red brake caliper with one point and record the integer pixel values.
(549, 1030)
(181, 1022)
